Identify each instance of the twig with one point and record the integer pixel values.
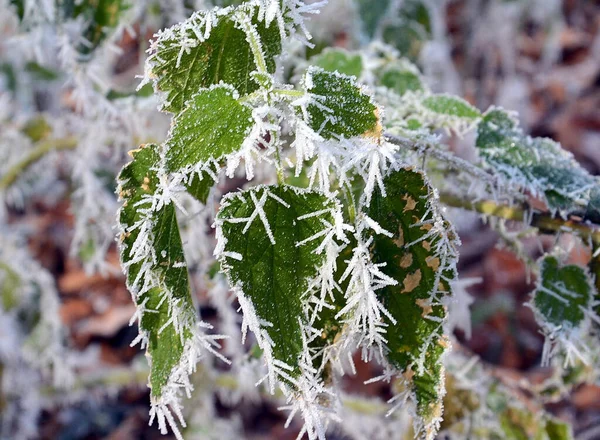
(545, 222)
(450, 159)
(43, 148)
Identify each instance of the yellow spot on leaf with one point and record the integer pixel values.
(412, 281)
(426, 227)
(444, 342)
(426, 245)
(377, 131)
(433, 262)
(400, 240)
(408, 374)
(406, 260)
(425, 304)
(411, 204)
(146, 184)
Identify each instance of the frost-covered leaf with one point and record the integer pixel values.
(401, 78)
(213, 124)
(404, 25)
(152, 253)
(208, 48)
(539, 165)
(563, 293)
(563, 306)
(340, 60)
(200, 188)
(269, 258)
(338, 107)
(451, 106)
(592, 212)
(420, 255)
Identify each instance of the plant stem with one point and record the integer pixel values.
(448, 158)
(251, 34)
(43, 148)
(542, 221)
(289, 92)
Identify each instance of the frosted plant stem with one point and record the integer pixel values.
(544, 222)
(444, 156)
(259, 58)
(43, 148)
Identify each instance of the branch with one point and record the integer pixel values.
(545, 222)
(450, 159)
(34, 155)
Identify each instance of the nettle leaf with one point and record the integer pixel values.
(451, 106)
(269, 258)
(152, 252)
(339, 60)
(539, 165)
(200, 188)
(208, 48)
(420, 256)
(339, 108)
(563, 294)
(213, 124)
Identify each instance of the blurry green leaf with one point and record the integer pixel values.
(213, 125)
(339, 60)
(9, 283)
(419, 257)
(343, 109)
(558, 430)
(224, 56)
(37, 129)
(448, 105)
(371, 13)
(401, 80)
(40, 72)
(100, 16)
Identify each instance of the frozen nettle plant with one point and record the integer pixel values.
(338, 242)
(310, 188)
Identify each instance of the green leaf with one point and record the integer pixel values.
(592, 212)
(9, 285)
(213, 125)
(163, 270)
(539, 165)
(562, 293)
(453, 106)
(339, 108)
(371, 13)
(558, 430)
(420, 257)
(401, 79)
(340, 60)
(405, 29)
(99, 15)
(200, 188)
(225, 56)
(267, 264)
